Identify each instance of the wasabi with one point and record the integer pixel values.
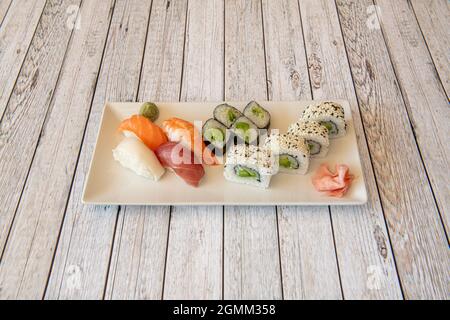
(150, 111)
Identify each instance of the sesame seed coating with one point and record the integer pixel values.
(306, 129)
(250, 155)
(325, 109)
(287, 142)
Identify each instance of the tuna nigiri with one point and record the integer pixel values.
(148, 132)
(175, 156)
(184, 132)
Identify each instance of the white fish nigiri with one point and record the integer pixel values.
(132, 154)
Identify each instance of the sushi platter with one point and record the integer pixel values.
(233, 153)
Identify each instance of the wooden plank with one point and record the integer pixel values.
(4, 8)
(25, 265)
(25, 112)
(434, 19)
(16, 32)
(194, 254)
(423, 94)
(139, 255)
(308, 259)
(194, 257)
(365, 257)
(82, 258)
(139, 252)
(251, 252)
(416, 232)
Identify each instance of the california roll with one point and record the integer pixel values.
(329, 114)
(251, 165)
(315, 135)
(291, 151)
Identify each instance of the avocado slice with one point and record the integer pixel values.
(288, 161)
(245, 172)
(214, 135)
(244, 126)
(231, 116)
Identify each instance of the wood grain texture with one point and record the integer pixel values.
(417, 235)
(16, 32)
(251, 252)
(25, 113)
(138, 258)
(82, 258)
(25, 265)
(4, 8)
(160, 81)
(434, 19)
(308, 259)
(365, 257)
(423, 94)
(194, 254)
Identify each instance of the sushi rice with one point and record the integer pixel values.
(291, 151)
(215, 133)
(258, 115)
(250, 165)
(133, 154)
(315, 135)
(329, 114)
(245, 130)
(226, 114)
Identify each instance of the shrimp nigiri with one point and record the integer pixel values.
(148, 132)
(184, 132)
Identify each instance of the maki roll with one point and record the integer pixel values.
(249, 165)
(226, 114)
(329, 114)
(259, 115)
(292, 152)
(315, 134)
(214, 132)
(245, 130)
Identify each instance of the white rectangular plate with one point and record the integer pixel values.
(109, 183)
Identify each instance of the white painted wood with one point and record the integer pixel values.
(251, 253)
(4, 7)
(204, 52)
(28, 255)
(434, 19)
(138, 258)
(251, 260)
(362, 243)
(423, 94)
(82, 258)
(194, 255)
(160, 81)
(16, 32)
(308, 259)
(25, 112)
(308, 256)
(137, 236)
(416, 232)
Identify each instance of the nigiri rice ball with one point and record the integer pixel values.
(132, 154)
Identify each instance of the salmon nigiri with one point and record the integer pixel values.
(184, 132)
(148, 132)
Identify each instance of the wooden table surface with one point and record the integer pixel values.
(60, 60)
